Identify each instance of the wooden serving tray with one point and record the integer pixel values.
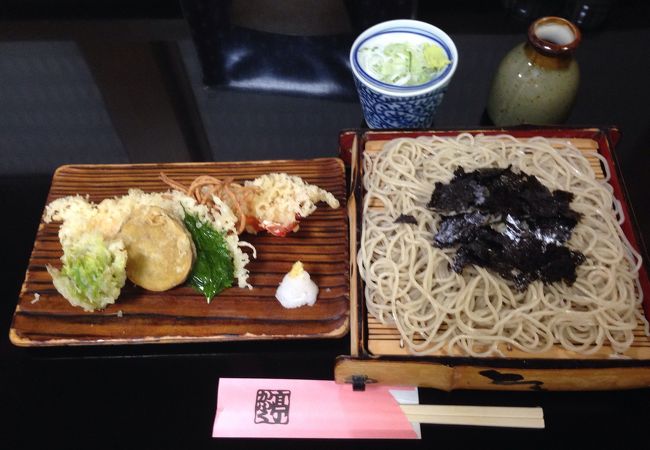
(181, 314)
(378, 355)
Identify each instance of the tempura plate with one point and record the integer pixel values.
(182, 315)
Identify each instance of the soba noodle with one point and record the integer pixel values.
(410, 283)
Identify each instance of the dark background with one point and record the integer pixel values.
(124, 81)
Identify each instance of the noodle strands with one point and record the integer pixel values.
(411, 283)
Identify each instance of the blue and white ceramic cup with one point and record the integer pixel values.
(390, 106)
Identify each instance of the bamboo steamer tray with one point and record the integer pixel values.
(181, 315)
(377, 354)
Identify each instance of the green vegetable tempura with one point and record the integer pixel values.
(93, 272)
(403, 64)
(213, 269)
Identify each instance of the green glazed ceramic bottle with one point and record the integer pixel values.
(537, 81)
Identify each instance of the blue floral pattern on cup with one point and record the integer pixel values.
(383, 111)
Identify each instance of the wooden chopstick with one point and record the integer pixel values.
(494, 416)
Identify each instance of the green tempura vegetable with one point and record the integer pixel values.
(93, 272)
(214, 268)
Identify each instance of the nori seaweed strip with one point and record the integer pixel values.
(406, 218)
(508, 222)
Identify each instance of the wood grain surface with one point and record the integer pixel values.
(480, 375)
(181, 314)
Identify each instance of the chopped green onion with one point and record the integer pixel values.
(403, 64)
